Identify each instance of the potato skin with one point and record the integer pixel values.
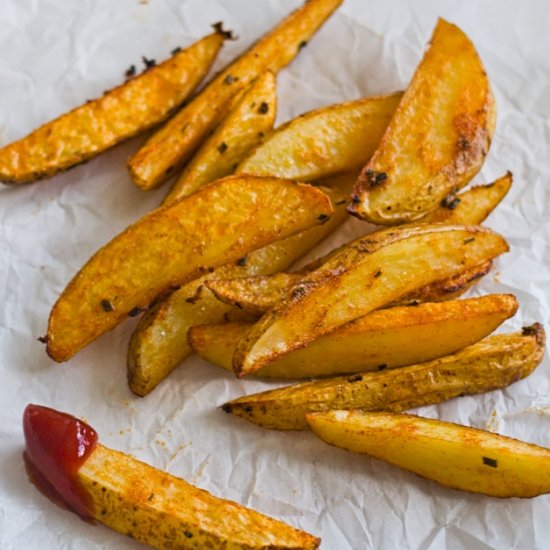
(437, 139)
(494, 362)
(175, 244)
(119, 114)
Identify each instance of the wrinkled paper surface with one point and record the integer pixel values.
(56, 55)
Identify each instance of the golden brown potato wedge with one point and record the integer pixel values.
(437, 139)
(366, 275)
(255, 295)
(317, 144)
(175, 244)
(385, 338)
(241, 130)
(471, 206)
(121, 113)
(159, 342)
(456, 456)
(139, 501)
(493, 363)
(171, 146)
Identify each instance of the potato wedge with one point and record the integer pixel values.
(456, 456)
(171, 146)
(241, 130)
(437, 139)
(129, 109)
(175, 244)
(366, 275)
(139, 501)
(317, 144)
(494, 362)
(255, 295)
(472, 206)
(159, 342)
(385, 338)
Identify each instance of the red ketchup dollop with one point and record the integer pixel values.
(57, 444)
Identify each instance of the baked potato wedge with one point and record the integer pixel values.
(240, 131)
(171, 146)
(140, 501)
(472, 206)
(125, 111)
(494, 362)
(385, 338)
(326, 141)
(174, 244)
(255, 295)
(437, 139)
(159, 342)
(456, 456)
(367, 274)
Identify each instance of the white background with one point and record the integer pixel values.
(57, 54)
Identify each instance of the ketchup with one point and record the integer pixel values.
(57, 444)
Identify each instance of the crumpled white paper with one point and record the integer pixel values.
(55, 55)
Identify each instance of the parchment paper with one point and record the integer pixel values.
(55, 55)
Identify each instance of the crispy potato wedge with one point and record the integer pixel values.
(241, 130)
(159, 342)
(129, 109)
(255, 295)
(175, 244)
(140, 501)
(494, 362)
(366, 275)
(472, 206)
(326, 141)
(437, 139)
(384, 338)
(456, 456)
(171, 146)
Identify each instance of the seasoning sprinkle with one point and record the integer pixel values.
(43, 339)
(469, 240)
(323, 218)
(355, 378)
(450, 202)
(241, 261)
(107, 306)
(188, 534)
(228, 35)
(302, 44)
(130, 71)
(222, 147)
(136, 311)
(229, 79)
(263, 108)
(378, 273)
(148, 62)
(176, 50)
(490, 462)
(382, 366)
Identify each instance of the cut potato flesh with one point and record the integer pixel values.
(472, 206)
(159, 342)
(255, 295)
(437, 139)
(175, 244)
(242, 129)
(366, 275)
(164, 511)
(171, 146)
(332, 139)
(495, 362)
(123, 112)
(456, 456)
(385, 338)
